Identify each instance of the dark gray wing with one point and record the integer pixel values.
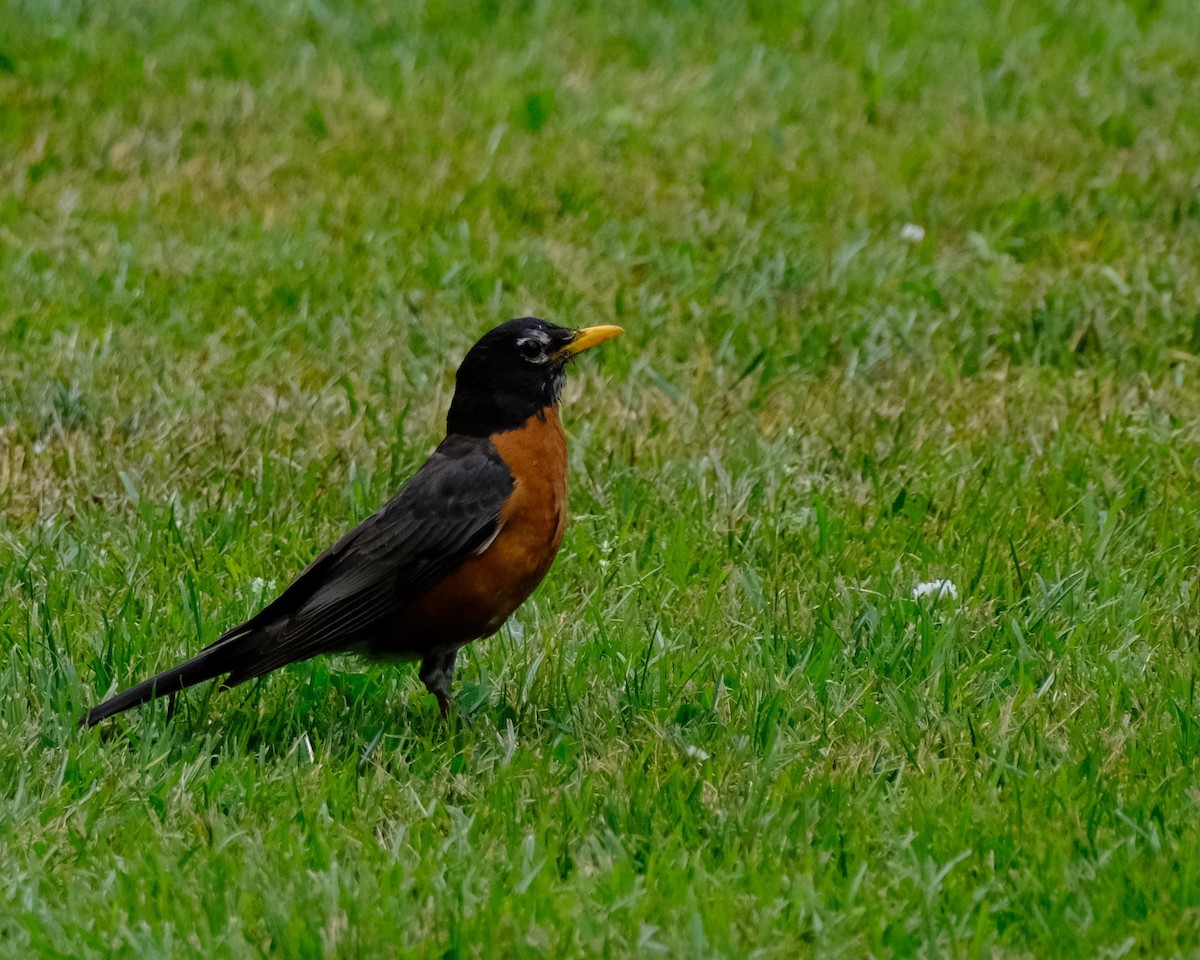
(448, 510)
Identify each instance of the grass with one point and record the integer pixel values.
(242, 248)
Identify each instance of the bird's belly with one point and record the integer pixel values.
(476, 599)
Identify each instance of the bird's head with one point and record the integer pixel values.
(515, 370)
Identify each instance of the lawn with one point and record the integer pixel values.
(911, 293)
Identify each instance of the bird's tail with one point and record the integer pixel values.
(214, 660)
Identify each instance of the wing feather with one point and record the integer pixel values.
(443, 515)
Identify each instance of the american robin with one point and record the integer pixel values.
(450, 557)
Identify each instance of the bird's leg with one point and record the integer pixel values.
(437, 671)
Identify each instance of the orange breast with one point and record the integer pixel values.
(481, 594)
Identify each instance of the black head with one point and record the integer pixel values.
(514, 371)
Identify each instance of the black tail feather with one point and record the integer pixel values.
(219, 658)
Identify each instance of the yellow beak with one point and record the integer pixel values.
(587, 338)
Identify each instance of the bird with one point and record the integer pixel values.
(450, 557)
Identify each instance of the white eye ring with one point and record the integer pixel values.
(532, 349)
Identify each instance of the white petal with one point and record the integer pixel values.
(938, 588)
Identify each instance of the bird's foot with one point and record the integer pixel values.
(437, 673)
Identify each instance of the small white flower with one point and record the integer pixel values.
(695, 752)
(939, 588)
(912, 232)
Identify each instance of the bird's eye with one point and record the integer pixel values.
(530, 349)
